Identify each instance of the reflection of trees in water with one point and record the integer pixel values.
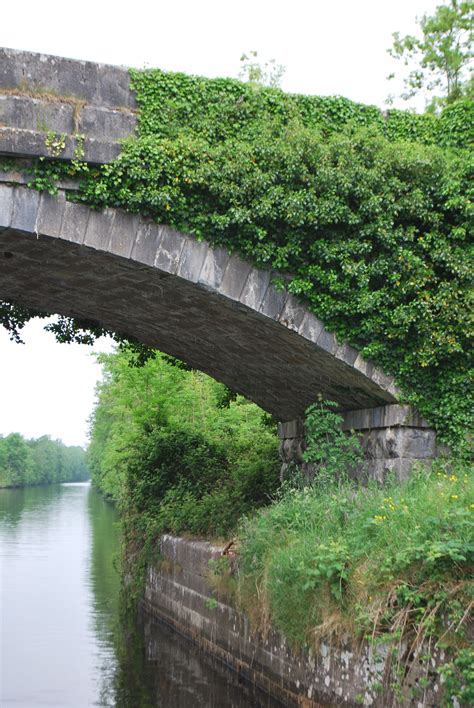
(104, 583)
(134, 681)
(16, 502)
(148, 664)
(104, 576)
(12, 503)
(158, 667)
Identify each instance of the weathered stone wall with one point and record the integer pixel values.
(178, 592)
(393, 437)
(42, 95)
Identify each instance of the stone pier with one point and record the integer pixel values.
(393, 438)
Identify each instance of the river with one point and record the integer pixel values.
(62, 641)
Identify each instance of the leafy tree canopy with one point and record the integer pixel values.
(260, 74)
(440, 59)
(39, 461)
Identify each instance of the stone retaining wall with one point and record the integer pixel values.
(178, 592)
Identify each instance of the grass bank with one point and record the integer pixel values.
(390, 564)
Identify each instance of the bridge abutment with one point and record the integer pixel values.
(393, 438)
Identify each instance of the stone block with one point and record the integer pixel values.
(394, 393)
(235, 277)
(22, 143)
(98, 84)
(30, 143)
(6, 206)
(99, 229)
(327, 341)
(193, 556)
(273, 302)
(25, 210)
(98, 152)
(147, 240)
(74, 222)
(101, 123)
(384, 443)
(213, 268)
(381, 469)
(255, 288)
(192, 259)
(291, 429)
(419, 443)
(396, 415)
(364, 367)
(50, 214)
(311, 327)
(391, 415)
(291, 450)
(35, 114)
(114, 87)
(123, 232)
(381, 379)
(377, 417)
(169, 250)
(347, 354)
(292, 314)
(357, 420)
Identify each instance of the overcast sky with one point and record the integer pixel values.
(327, 48)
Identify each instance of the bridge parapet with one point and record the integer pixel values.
(89, 107)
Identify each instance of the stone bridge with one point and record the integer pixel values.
(209, 308)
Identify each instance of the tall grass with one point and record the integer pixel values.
(336, 560)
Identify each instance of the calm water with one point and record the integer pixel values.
(62, 643)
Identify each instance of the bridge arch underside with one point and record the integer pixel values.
(169, 291)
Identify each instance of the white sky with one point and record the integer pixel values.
(326, 47)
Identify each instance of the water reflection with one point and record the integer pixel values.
(62, 641)
(103, 579)
(31, 500)
(160, 668)
(47, 646)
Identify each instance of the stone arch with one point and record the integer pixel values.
(198, 303)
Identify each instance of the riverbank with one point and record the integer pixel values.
(179, 592)
(44, 484)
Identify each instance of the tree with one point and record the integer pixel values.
(442, 56)
(16, 464)
(254, 72)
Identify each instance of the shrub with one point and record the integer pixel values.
(331, 452)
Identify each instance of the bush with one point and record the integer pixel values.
(166, 459)
(331, 452)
